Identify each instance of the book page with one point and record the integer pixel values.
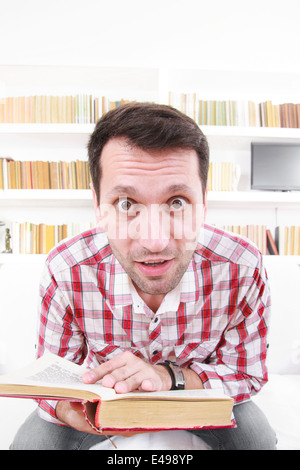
(54, 371)
(45, 370)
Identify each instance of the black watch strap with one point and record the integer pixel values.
(175, 371)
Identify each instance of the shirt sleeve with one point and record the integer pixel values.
(58, 332)
(238, 365)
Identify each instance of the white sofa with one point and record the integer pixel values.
(279, 398)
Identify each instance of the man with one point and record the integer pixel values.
(152, 283)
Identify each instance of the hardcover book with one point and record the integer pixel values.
(55, 378)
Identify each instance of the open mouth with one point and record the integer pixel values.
(154, 268)
(154, 263)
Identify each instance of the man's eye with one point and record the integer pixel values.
(177, 204)
(124, 205)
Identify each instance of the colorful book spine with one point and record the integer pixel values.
(236, 112)
(77, 109)
(223, 176)
(287, 239)
(29, 238)
(44, 175)
(285, 242)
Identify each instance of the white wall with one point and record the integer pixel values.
(218, 34)
(19, 285)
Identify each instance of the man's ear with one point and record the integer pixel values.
(96, 207)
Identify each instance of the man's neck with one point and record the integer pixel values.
(151, 300)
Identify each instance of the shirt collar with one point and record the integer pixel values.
(121, 292)
(170, 302)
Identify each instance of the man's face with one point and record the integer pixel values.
(152, 208)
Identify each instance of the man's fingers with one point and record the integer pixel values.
(90, 377)
(109, 381)
(125, 373)
(144, 380)
(106, 368)
(114, 366)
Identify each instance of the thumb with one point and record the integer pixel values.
(76, 406)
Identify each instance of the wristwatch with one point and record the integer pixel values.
(175, 371)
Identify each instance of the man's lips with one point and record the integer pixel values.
(154, 267)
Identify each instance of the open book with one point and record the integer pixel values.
(55, 378)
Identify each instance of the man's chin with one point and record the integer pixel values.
(155, 286)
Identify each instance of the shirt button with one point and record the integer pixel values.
(155, 352)
(155, 319)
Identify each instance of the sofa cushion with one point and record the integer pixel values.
(284, 333)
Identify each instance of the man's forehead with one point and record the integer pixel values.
(118, 158)
(123, 146)
(127, 170)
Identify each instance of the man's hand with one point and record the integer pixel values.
(127, 372)
(124, 373)
(71, 414)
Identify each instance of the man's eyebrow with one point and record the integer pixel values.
(122, 189)
(179, 188)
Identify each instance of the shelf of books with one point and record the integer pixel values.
(60, 180)
(37, 239)
(229, 124)
(43, 174)
(43, 113)
(87, 108)
(285, 240)
(31, 239)
(243, 113)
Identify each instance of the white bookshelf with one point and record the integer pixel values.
(39, 197)
(37, 128)
(12, 259)
(250, 133)
(240, 133)
(267, 199)
(69, 141)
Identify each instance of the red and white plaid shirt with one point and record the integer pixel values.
(215, 321)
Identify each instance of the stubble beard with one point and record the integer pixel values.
(157, 285)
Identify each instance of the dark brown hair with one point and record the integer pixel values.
(149, 127)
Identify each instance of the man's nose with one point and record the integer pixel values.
(154, 245)
(155, 230)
